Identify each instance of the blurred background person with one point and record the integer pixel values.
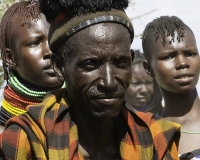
(143, 93)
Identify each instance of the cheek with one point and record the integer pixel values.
(126, 76)
(151, 90)
(196, 65)
(163, 71)
(80, 82)
(131, 91)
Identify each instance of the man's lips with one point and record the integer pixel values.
(107, 99)
(106, 96)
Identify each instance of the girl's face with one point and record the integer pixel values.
(141, 88)
(176, 66)
(30, 52)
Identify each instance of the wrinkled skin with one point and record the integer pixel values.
(141, 89)
(176, 66)
(99, 73)
(30, 54)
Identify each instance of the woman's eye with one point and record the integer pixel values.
(34, 44)
(149, 82)
(169, 57)
(135, 83)
(190, 54)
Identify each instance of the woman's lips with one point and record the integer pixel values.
(142, 99)
(50, 71)
(184, 78)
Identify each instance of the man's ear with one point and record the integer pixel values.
(9, 58)
(57, 66)
(148, 68)
(132, 54)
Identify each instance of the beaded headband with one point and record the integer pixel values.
(64, 26)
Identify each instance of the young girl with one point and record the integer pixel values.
(26, 59)
(143, 92)
(172, 58)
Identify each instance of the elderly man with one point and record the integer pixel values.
(91, 42)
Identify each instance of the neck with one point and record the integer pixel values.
(179, 105)
(95, 135)
(32, 86)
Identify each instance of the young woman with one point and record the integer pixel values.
(172, 58)
(26, 59)
(143, 92)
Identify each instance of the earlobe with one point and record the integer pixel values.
(58, 68)
(148, 68)
(132, 54)
(9, 58)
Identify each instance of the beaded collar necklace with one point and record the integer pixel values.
(18, 95)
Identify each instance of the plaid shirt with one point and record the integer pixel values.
(47, 131)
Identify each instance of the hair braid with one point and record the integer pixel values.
(165, 26)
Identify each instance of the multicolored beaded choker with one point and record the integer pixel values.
(17, 96)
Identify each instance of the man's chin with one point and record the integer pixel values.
(105, 115)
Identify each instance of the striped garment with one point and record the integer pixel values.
(47, 131)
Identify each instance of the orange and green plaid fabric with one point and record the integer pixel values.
(47, 131)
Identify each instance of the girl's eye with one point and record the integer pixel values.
(190, 54)
(135, 83)
(169, 57)
(149, 82)
(34, 44)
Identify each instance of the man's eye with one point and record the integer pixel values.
(122, 62)
(90, 64)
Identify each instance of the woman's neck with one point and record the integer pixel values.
(180, 105)
(32, 86)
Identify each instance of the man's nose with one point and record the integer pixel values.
(108, 79)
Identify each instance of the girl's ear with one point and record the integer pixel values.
(9, 58)
(57, 66)
(148, 68)
(132, 54)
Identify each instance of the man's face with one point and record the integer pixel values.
(176, 66)
(99, 73)
(141, 89)
(31, 53)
